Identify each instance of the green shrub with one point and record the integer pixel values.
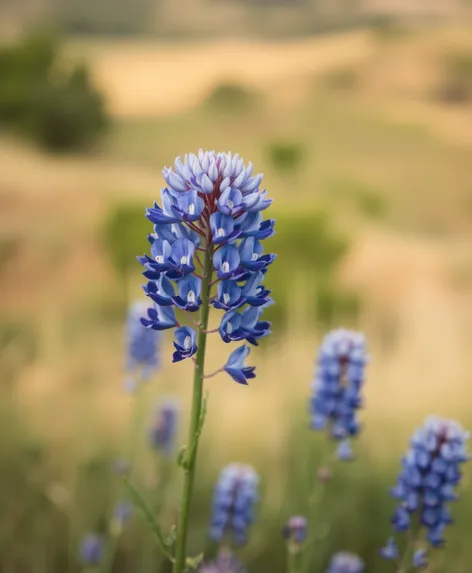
(456, 83)
(124, 235)
(285, 155)
(57, 108)
(231, 97)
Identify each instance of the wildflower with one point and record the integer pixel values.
(236, 368)
(142, 344)
(345, 562)
(163, 430)
(336, 390)
(225, 562)
(233, 503)
(210, 211)
(122, 512)
(425, 486)
(91, 549)
(296, 529)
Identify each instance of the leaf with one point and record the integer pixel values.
(194, 562)
(149, 517)
(181, 458)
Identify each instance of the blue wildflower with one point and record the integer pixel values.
(142, 344)
(210, 210)
(122, 512)
(164, 426)
(336, 390)
(91, 549)
(236, 368)
(345, 562)
(431, 470)
(184, 343)
(420, 560)
(390, 551)
(233, 503)
(296, 530)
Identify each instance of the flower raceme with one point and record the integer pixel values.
(431, 470)
(337, 387)
(233, 503)
(207, 248)
(164, 427)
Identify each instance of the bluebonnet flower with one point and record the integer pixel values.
(142, 344)
(164, 426)
(236, 368)
(184, 343)
(233, 503)
(345, 562)
(225, 562)
(431, 470)
(211, 208)
(337, 387)
(91, 549)
(296, 529)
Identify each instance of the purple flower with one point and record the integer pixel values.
(296, 529)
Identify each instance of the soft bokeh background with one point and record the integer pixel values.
(360, 115)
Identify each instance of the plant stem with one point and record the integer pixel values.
(292, 560)
(181, 541)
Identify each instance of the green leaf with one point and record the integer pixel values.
(149, 517)
(194, 562)
(181, 458)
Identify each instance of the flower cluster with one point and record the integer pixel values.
(431, 470)
(345, 562)
(208, 232)
(225, 562)
(336, 389)
(164, 426)
(142, 345)
(233, 503)
(296, 529)
(91, 549)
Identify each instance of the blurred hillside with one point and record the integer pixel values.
(198, 18)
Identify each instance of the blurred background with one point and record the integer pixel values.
(359, 112)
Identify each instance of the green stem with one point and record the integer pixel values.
(189, 478)
(292, 559)
(129, 456)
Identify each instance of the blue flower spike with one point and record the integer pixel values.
(233, 503)
(210, 209)
(336, 390)
(431, 470)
